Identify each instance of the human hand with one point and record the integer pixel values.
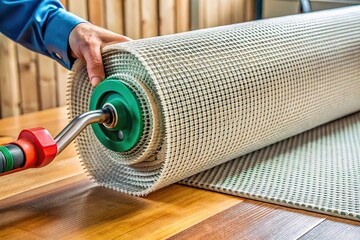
(86, 41)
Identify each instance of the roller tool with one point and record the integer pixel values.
(116, 121)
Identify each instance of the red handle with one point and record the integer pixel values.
(38, 146)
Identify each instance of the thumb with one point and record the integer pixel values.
(94, 65)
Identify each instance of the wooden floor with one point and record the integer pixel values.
(60, 201)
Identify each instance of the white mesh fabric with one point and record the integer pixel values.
(212, 95)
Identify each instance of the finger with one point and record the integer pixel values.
(94, 64)
(111, 37)
(118, 38)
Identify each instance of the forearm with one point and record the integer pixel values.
(40, 25)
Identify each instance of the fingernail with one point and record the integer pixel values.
(95, 81)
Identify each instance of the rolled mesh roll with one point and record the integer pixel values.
(212, 95)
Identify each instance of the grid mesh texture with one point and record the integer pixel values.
(318, 170)
(213, 95)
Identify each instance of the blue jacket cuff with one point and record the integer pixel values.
(56, 37)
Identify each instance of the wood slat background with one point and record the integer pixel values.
(30, 82)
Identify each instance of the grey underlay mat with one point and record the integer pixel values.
(318, 170)
(214, 95)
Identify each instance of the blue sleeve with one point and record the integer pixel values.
(43, 26)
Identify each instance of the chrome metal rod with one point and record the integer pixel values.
(74, 128)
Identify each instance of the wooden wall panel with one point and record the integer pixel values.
(149, 18)
(237, 11)
(167, 17)
(97, 12)
(201, 8)
(9, 79)
(182, 15)
(61, 75)
(78, 7)
(224, 7)
(211, 14)
(30, 82)
(61, 81)
(132, 19)
(64, 2)
(114, 15)
(249, 10)
(47, 82)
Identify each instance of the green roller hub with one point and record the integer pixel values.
(129, 126)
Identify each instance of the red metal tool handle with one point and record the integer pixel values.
(38, 148)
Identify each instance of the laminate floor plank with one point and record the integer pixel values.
(76, 207)
(16, 183)
(252, 220)
(334, 229)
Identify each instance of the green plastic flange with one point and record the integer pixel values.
(8, 158)
(129, 126)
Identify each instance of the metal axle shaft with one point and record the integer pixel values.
(78, 124)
